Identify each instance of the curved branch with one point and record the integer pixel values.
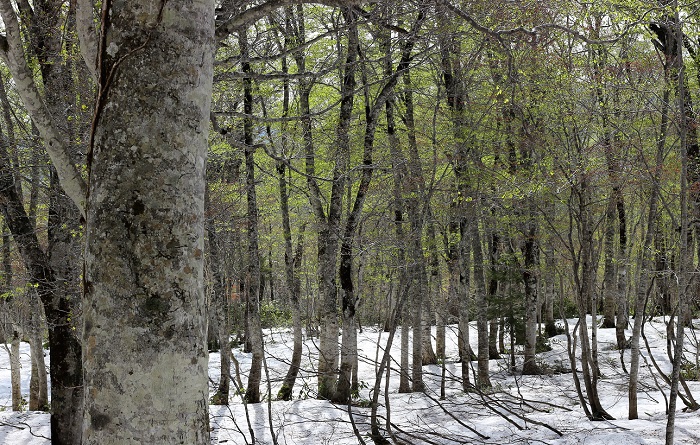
(12, 53)
(536, 30)
(257, 12)
(87, 34)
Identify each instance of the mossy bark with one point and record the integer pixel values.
(144, 339)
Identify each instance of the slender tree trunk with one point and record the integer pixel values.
(549, 286)
(460, 283)
(610, 285)
(433, 301)
(348, 351)
(33, 383)
(329, 235)
(15, 370)
(285, 392)
(531, 306)
(621, 303)
(458, 251)
(218, 304)
(493, 289)
(64, 258)
(493, 339)
(292, 262)
(690, 175)
(584, 277)
(609, 281)
(253, 275)
(483, 380)
(65, 369)
(417, 293)
(645, 262)
(349, 294)
(416, 209)
(62, 94)
(38, 396)
(222, 315)
(404, 378)
(399, 174)
(428, 355)
(435, 285)
(66, 392)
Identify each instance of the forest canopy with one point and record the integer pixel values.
(178, 177)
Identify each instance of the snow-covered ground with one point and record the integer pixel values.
(521, 409)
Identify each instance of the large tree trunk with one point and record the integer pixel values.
(144, 304)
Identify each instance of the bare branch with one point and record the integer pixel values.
(259, 11)
(12, 53)
(87, 34)
(535, 31)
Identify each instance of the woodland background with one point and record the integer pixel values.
(415, 164)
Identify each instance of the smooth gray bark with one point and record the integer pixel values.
(15, 371)
(36, 327)
(584, 279)
(292, 260)
(329, 234)
(144, 341)
(483, 380)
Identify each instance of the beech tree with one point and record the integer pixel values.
(53, 270)
(144, 226)
(515, 136)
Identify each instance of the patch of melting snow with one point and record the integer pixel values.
(515, 412)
